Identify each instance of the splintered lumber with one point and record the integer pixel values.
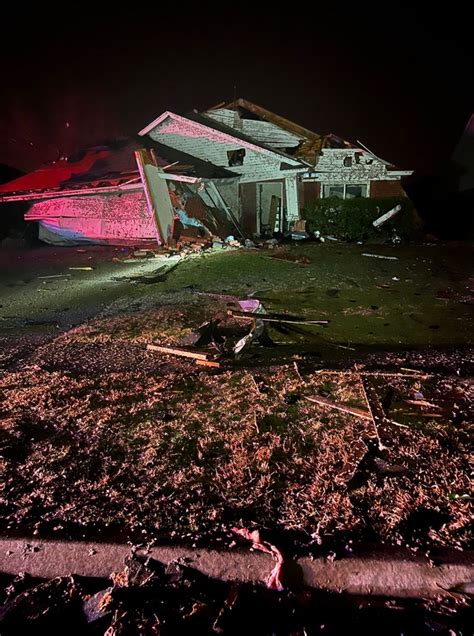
(353, 410)
(378, 416)
(270, 318)
(423, 403)
(388, 258)
(178, 352)
(380, 374)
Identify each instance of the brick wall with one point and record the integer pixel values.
(386, 189)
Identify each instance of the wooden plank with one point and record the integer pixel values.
(270, 318)
(379, 419)
(157, 194)
(352, 410)
(207, 363)
(178, 352)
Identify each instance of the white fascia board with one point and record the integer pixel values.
(400, 173)
(156, 122)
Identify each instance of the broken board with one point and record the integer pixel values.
(157, 194)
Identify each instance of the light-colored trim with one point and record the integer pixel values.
(344, 185)
(155, 123)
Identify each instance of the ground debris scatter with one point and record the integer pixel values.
(118, 439)
(317, 399)
(148, 597)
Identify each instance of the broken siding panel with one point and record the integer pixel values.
(331, 168)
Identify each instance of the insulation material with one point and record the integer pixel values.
(199, 202)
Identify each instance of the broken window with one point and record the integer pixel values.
(236, 157)
(347, 162)
(346, 191)
(357, 157)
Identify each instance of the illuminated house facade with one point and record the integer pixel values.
(338, 168)
(237, 167)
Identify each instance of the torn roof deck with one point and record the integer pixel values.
(107, 168)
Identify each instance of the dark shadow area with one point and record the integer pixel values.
(149, 598)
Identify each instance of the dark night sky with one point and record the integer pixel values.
(398, 79)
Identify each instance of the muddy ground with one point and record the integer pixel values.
(104, 438)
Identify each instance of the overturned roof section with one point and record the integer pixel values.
(105, 167)
(301, 143)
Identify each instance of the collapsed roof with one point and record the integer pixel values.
(105, 167)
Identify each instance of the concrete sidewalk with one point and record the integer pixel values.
(399, 574)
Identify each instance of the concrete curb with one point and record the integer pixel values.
(402, 575)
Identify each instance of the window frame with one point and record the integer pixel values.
(344, 186)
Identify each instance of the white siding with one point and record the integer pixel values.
(331, 168)
(210, 145)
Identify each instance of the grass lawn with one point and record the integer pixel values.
(101, 437)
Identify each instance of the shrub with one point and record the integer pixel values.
(351, 219)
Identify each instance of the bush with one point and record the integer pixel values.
(351, 219)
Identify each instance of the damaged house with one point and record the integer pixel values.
(103, 196)
(337, 167)
(233, 169)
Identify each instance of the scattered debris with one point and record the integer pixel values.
(274, 580)
(389, 258)
(387, 216)
(178, 352)
(345, 408)
(55, 276)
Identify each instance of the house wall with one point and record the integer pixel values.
(331, 168)
(368, 170)
(386, 189)
(230, 194)
(211, 145)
